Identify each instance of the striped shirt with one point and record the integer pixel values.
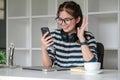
(68, 54)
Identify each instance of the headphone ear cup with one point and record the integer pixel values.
(64, 36)
(73, 37)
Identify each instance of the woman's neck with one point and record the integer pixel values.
(71, 32)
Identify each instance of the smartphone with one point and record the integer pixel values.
(44, 30)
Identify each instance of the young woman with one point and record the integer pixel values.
(71, 45)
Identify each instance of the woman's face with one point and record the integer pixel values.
(67, 22)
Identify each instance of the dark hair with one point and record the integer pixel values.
(73, 9)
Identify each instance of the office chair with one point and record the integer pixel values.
(100, 53)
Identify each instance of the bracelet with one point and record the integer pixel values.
(83, 43)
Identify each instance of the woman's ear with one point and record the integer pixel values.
(78, 20)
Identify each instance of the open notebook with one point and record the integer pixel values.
(41, 68)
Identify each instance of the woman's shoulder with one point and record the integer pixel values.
(89, 35)
(56, 32)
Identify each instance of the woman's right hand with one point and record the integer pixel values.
(46, 41)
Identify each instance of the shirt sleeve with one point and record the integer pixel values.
(51, 50)
(51, 53)
(92, 45)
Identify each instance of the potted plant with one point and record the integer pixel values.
(2, 57)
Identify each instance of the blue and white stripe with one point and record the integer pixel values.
(67, 54)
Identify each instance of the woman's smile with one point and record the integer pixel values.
(65, 28)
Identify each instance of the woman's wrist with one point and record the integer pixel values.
(43, 48)
(82, 39)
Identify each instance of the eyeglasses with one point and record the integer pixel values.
(67, 21)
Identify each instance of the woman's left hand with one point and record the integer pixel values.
(81, 29)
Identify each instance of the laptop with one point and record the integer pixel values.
(41, 68)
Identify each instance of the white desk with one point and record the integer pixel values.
(20, 74)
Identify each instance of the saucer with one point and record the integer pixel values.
(93, 72)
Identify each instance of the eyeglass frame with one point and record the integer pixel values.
(64, 20)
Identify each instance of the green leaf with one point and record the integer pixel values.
(2, 57)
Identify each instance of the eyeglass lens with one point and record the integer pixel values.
(66, 20)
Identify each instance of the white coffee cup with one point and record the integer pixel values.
(92, 66)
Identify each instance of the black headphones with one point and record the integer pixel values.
(69, 38)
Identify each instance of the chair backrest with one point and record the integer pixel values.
(100, 53)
